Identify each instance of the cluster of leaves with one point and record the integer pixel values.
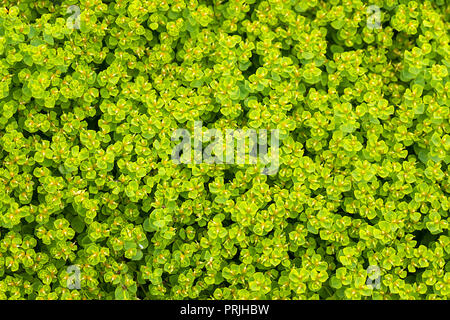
(86, 177)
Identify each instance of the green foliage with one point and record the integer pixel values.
(87, 179)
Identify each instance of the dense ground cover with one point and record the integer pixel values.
(93, 207)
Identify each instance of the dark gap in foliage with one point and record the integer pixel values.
(424, 236)
(255, 64)
(115, 170)
(410, 150)
(92, 122)
(39, 133)
(228, 176)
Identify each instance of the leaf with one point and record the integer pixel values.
(49, 39)
(78, 224)
(121, 294)
(148, 226)
(138, 255)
